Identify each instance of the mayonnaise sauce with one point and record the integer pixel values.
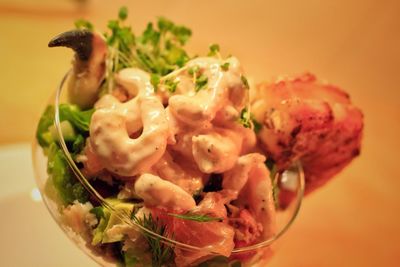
(160, 193)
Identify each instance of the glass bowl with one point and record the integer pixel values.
(290, 183)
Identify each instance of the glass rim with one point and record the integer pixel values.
(124, 217)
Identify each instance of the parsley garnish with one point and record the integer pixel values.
(161, 252)
(196, 217)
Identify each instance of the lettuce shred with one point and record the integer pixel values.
(65, 186)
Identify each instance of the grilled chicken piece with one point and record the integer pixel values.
(309, 121)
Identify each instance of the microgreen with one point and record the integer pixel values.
(214, 50)
(201, 82)
(123, 13)
(194, 70)
(248, 120)
(170, 85)
(244, 118)
(155, 80)
(83, 25)
(225, 66)
(158, 50)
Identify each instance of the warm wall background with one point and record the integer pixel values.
(355, 220)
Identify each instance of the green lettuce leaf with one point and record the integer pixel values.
(67, 188)
(43, 134)
(79, 119)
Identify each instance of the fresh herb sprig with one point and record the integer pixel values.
(214, 50)
(158, 50)
(248, 120)
(201, 82)
(162, 253)
(245, 118)
(171, 85)
(121, 41)
(225, 66)
(256, 125)
(196, 217)
(84, 25)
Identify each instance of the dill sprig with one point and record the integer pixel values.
(161, 253)
(196, 217)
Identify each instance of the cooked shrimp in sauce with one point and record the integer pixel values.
(178, 144)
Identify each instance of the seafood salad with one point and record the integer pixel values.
(184, 145)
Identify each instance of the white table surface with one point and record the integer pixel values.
(29, 235)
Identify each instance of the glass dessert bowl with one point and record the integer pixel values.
(289, 183)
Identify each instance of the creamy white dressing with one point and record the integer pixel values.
(142, 138)
(161, 193)
(193, 108)
(113, 123)
(179, 172)
(236, 178)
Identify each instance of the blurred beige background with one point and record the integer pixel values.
(354, 221)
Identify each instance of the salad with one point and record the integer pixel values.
(184, 145)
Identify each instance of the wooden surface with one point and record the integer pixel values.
(354, 220)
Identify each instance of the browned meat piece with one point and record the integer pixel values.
(309, 121)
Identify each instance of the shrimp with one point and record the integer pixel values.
(212, 149)
(216, 151)
(249, 180)
(157, 192)
(88, 66)
(228, 118)
(311, 122)
(194, 108)
(186, 176)
(183, 134)
(113, 123)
